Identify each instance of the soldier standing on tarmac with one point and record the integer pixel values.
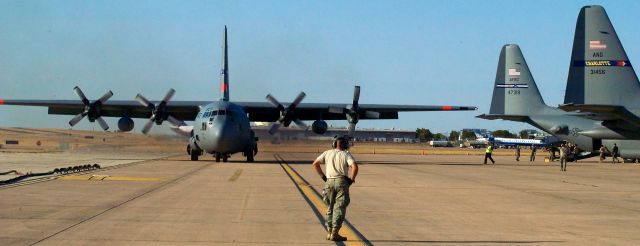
(602, 153)
(337, 162)
(517, 152)
(615, 153)
(533, 153)
(563, 157)
(487, 153)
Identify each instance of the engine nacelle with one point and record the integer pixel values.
(319, 127)
(125, 124)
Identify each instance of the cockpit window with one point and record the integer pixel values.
(210, 113)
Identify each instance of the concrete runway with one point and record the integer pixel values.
(397, 200)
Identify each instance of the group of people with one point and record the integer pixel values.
(615, 153)
(534, 149)
(489, 151)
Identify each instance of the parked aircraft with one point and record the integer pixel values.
(516, 98)
(602, 82)
(510, 141)
(222, 127)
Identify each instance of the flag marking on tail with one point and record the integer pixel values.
(514, 72)
(602, 63)
(597, 45)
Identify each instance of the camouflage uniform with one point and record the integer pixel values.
(336, 188)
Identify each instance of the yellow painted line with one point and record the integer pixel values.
(109, 178)
(313, 196)
(235, 175)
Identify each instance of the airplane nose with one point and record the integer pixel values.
(224, 134)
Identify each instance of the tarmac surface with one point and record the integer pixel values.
(396, 200)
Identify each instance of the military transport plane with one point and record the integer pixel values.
(516, 96)
(222, 127)
(601, 80)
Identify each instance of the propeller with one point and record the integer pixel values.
(287, 115)
(92, 110)
(353, 111)
(159, 112)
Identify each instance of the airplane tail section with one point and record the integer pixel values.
(515, 93)
(224, 73)
(600, 71)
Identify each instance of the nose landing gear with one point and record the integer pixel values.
(219, 156)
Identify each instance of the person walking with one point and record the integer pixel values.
(533, 153)
(338, 162)
(602, 153)
(563, 157)
(488, 152)
(517, 152)
(615, 153)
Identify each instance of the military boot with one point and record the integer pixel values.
(328, 233)
(335, 236)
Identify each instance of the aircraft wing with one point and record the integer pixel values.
(519, 118)
(607, 113)
(263, 111)
(184, 110)
(258, 111)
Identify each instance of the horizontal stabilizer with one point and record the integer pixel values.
(519, 118)
(603, 112)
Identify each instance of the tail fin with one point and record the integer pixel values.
(224, 73)
(515, 92)
(600, 72)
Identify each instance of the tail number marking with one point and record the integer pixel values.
(513, 92)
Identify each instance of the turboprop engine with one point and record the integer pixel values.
(319, 127)
(125, 124)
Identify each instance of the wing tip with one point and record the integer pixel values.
(1, 101)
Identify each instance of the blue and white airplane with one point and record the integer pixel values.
(222, 128)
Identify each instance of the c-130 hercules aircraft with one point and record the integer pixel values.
(222, 127)
(601, 97)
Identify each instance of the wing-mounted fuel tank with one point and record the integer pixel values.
(125, 124)
(319, 127)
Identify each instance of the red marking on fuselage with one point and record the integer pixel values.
(224, 87)
(446, 107)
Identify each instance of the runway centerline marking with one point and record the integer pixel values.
(315, 200)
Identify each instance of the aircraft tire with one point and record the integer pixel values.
(225, 158)
(249, 154)
(218, 157)
(194, 155)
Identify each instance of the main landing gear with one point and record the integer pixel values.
(219, 156)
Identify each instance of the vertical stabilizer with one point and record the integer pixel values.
(515, 92)
(224, 73)
(600, 71)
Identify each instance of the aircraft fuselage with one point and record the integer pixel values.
(223, 128)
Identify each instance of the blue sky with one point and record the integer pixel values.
(400, 52)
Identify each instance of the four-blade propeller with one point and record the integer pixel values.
(288, 114)
(159, 112)
(92, 110)
(353, 111)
